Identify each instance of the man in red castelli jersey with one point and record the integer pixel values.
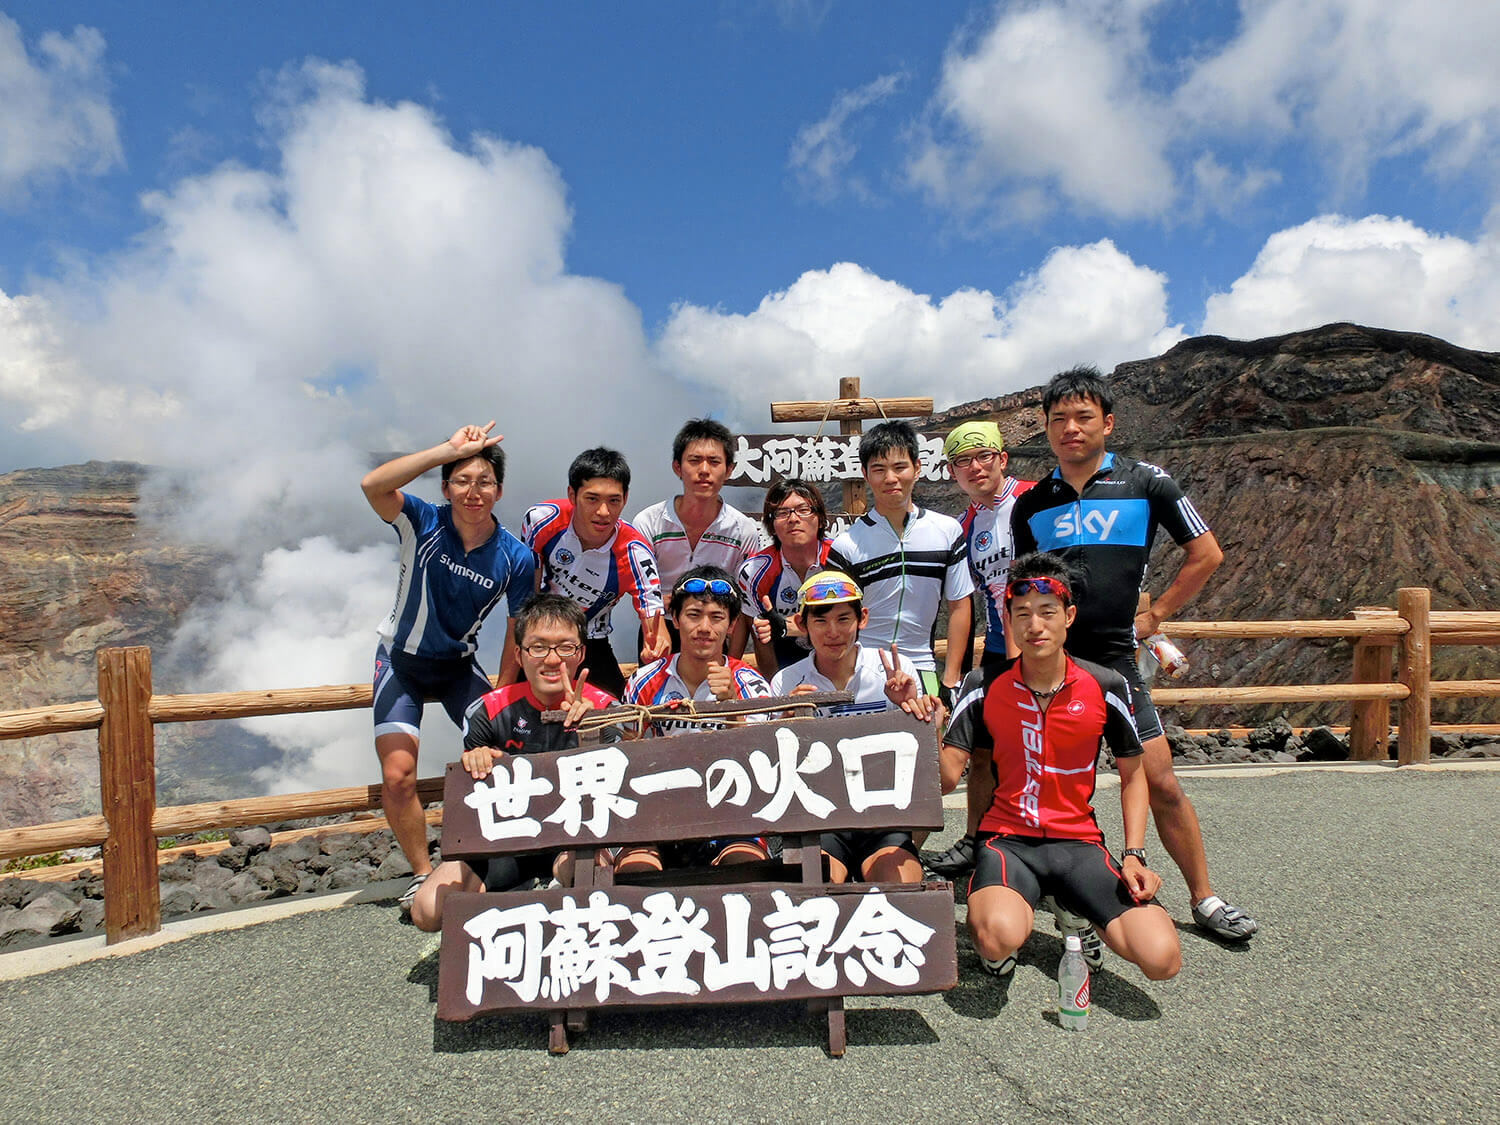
(1031, 730)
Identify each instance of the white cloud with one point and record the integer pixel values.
(1084, 304)
(1358, 80)
(378, 285)
(1224, 191)
(291, 627)
(57, 118)
(1048, 105)
(1375, 270)
(1072, 102)
(822, 152)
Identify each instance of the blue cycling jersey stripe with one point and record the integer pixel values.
(1092, 523)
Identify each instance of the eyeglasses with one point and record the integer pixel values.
(982, 458)
(464, 484)
(797, 512)
(706, 585)
(566, 650)
(1023, 586)
(831, 590)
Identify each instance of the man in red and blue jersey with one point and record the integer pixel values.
(1030, 732)
(457, 562)
(1101, 511)
(585, 551)
(704, 605)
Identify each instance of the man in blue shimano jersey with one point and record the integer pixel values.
(457, 562)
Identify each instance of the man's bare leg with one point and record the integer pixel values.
(892, 865)
(1145, 936)
(398, 797)
(1176, 821)
(427, 906)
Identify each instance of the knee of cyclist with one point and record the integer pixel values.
(1161, 960)
(1167, 794)
(398, 778)
(996, 934)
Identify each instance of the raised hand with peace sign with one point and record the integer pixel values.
(902, 689)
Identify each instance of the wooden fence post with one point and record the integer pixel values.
(127, 792)
(1414, 741)
(1370, 728)
(854, 493)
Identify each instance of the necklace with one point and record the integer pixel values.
(1050, 692)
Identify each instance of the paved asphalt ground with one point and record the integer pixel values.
(1368, 995)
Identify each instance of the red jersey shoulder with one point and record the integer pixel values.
(501, 698)
(544, 522)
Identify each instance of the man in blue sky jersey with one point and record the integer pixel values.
(1100, 511)
(457, 562)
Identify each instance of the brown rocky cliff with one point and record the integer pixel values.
(81, 569)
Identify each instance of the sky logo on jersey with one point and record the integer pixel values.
(983, 542)
(1089, 523)
(564, 557)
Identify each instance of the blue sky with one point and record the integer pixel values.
(274, 237)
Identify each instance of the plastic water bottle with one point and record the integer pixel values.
(1073, 986)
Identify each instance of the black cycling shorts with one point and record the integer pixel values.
(1080, 874)
(511, 873)
(854, 849)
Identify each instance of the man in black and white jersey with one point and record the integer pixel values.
(908, 560)
(1101, 512)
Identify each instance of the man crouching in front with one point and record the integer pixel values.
(1033, 728)
(549, 634)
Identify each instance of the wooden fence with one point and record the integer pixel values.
(127, 712)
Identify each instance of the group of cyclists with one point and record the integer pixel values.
(1059, 565)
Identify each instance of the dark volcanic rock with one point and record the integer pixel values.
(1325, 746)
(1335, 466)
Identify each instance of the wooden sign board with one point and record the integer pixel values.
(812, 775)
(700, 945)
(762, 458)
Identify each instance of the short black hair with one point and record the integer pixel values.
(549, 607)
(1043, 564)
(703, 429)
(730, 601)
(494, 457)
(887, 438)
(793, 487)
(1083, 381)
(599, 462)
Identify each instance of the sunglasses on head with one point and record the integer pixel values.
(1024, 586)
(706, 586)
(833, 590)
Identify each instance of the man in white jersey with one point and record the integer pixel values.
(698, 527)
(831, 613)
(976, 458)
(908, 560)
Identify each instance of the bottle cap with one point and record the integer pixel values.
(1073, 941)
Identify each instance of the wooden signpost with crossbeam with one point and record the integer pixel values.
(849, 410)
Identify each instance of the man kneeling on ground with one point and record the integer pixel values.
(831, 613)
(549, 634)
(1034, 727)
